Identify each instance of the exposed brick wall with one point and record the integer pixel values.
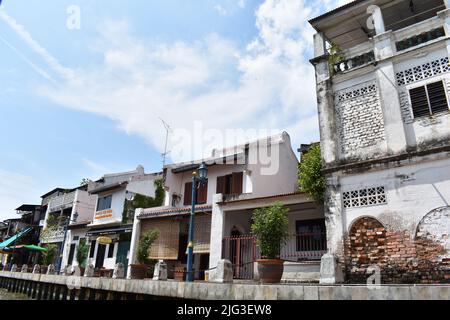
(359, 117)
(400, 258)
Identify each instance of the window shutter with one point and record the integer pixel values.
(437, 96)
(220, 187)
(419, 102)
(187, 194)
(202, 193)
(236, 186)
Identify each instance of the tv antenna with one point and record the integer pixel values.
(168, 130)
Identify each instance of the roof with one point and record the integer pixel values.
(172, 211)
(276, 196)
(109, 187)
(68, 190)
(334, 11)
(53, 191)
(227, 155)
(28, 207)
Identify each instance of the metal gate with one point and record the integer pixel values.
(242, 252)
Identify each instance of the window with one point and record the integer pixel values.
(230, 184)
(202, 193)
(104, 203)
(311, 235)
(75, 238)
(428, 100)
(364, 197)
(111, 250)
(92, 249)
(71, 254)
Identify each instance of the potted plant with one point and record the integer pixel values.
(139, 271)
(49, 256)
(82, 254)
(270, 226)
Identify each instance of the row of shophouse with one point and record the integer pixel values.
(384, 117)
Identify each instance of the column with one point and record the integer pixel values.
(445, 16)
(217, 225)
(136, 233)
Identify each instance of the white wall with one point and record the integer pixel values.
(117, 202)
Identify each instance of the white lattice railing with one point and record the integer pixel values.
(62, 201)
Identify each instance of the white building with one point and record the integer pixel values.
(383, 103)
(62, 206)
(109, 219)
(240, 179)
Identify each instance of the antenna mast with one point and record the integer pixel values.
(168, 130)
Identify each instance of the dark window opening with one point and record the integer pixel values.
(71, 254)
(111, 250)
(201, 194)
(92, 249)
(428, 100)
(230, 184)
(311, 235)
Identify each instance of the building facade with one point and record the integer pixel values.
(240, 179)
(383, 89)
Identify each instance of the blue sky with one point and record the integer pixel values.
(82, 102)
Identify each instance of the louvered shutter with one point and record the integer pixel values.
(437, 96)
(220, 187)
(202, 193)
(236, 185)
(187, 194)
(419, 102)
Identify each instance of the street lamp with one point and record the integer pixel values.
(61, 250)
(201, 178)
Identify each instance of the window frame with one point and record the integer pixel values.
(425, 84)
(103, 198)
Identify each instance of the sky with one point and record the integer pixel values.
(85, 84)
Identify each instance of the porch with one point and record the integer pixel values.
(301, 251)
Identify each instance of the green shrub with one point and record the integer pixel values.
(50, 255)
(311, 179)
(82, 254)
(145, 244)
(270, 226)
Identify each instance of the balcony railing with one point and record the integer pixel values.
(62, 201)
(242, 251)
(52, 235)
(354, 62)
(420, 39)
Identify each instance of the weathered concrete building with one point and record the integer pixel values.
(383, 88)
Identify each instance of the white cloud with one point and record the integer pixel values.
(221, 10)
(16, 189)
(241, 3)
(268, 85)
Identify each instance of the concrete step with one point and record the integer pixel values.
(301, 272)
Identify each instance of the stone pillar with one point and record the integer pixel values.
(36, 269)
(217, 224)
(51, 269)
(223, 273)
(160, 273)
(329, 139)
(377, 17)
(89, 271)
(119, 271)
(24, 268)
(330, 270)
(334, 220)
(134, 240)
(394, 129)
(14, 268)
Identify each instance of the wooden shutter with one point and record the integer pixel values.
(202, 193)
(419, 102)
(187, 194)
(220, 187)
(166, 245)
(202, 234)
(236, 185)
(437, 96)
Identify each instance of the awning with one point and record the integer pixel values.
(31, 247)
(14, 238)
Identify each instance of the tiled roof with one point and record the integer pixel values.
(277, 196)
(172, 211)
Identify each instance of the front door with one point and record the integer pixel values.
(122, 253)
(100, 255)
(71, 254)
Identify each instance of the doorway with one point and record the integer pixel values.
(101, 249)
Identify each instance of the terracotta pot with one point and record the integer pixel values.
(138, 271)
(270, 270)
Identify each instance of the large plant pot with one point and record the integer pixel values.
(138, 271)
(270, 270)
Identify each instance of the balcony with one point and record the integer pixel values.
(61, 202)
(51, 235)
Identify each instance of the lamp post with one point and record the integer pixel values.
(201, 178)
(61, 250)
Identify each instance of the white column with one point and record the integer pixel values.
(377, 17)
(217, 225)
(335, 222)
(136, 234)
(445, 16)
